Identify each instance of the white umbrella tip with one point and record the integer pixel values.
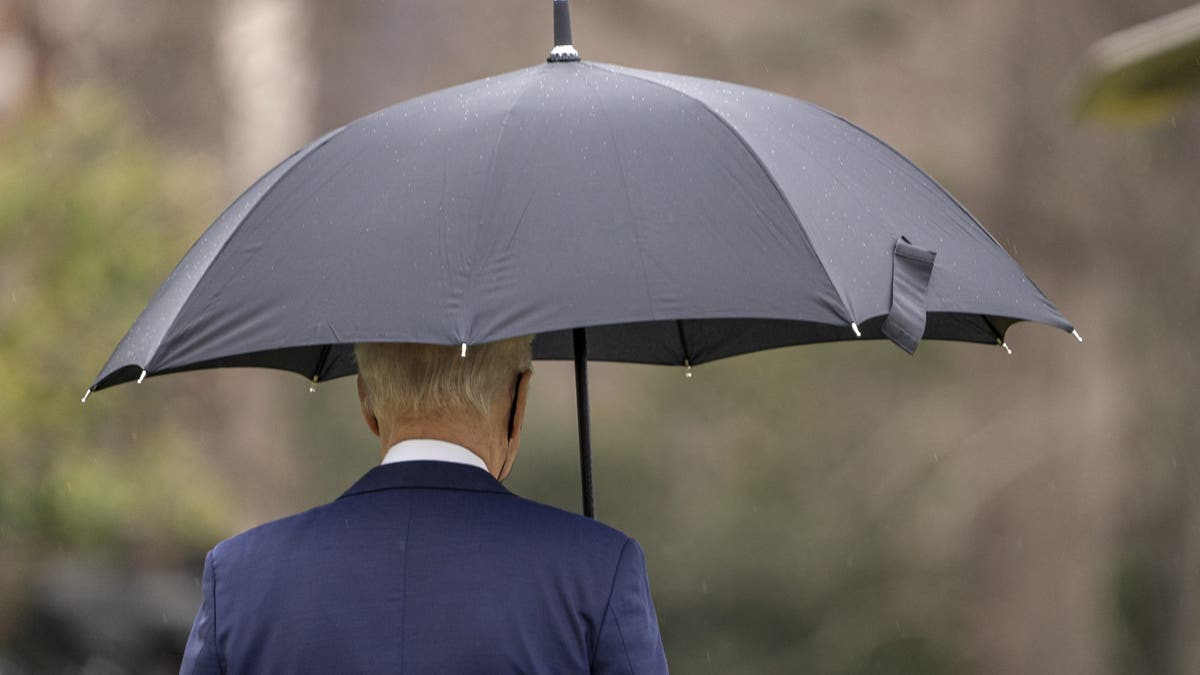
(86, 394)
(1077, 335)
(854, 327)
(142, 377)
(464, 350)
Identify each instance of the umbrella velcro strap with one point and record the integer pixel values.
(911, 269)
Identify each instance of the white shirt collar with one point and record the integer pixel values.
(432, 450)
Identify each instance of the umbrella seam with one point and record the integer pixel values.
(179, 311)
(637, 235)
(470, 281)
(919, 170)
(848, 314)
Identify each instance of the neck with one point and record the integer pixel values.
(475, 437)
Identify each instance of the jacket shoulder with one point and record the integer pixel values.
(553, 517)
(282, 529)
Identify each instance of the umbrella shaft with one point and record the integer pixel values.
(562, 23)
(585, 433)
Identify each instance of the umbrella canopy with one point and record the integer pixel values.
(623, 214)
(680, 219)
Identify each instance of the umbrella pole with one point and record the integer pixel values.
(563, 49)
(585, 433)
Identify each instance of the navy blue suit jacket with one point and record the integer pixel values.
(426, 567)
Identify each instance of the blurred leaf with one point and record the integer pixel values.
(1141, 74)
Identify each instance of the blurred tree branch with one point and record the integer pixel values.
(1143, 73)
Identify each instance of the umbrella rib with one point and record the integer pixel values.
(687, 356)
(848, 314)
(995, 331)
(307, 151)
(321, 359)
(904, 158)
(469, 284)
(633, 221)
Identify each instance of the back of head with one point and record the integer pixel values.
(411, 379)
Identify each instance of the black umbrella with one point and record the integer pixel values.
(617, 214)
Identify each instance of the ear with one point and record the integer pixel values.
(365, 405)
(514, 442)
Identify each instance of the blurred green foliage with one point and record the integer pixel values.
(90, 220)
(1142, 74)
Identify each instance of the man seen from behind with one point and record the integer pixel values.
(428, 564)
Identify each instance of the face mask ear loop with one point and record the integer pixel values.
(512, 416)
(512, 411)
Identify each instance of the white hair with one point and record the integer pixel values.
(407, 378)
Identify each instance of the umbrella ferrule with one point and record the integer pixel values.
(564, 50)
(563, 53)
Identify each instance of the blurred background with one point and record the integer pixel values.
(836, 508)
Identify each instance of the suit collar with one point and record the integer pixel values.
(426, 474)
